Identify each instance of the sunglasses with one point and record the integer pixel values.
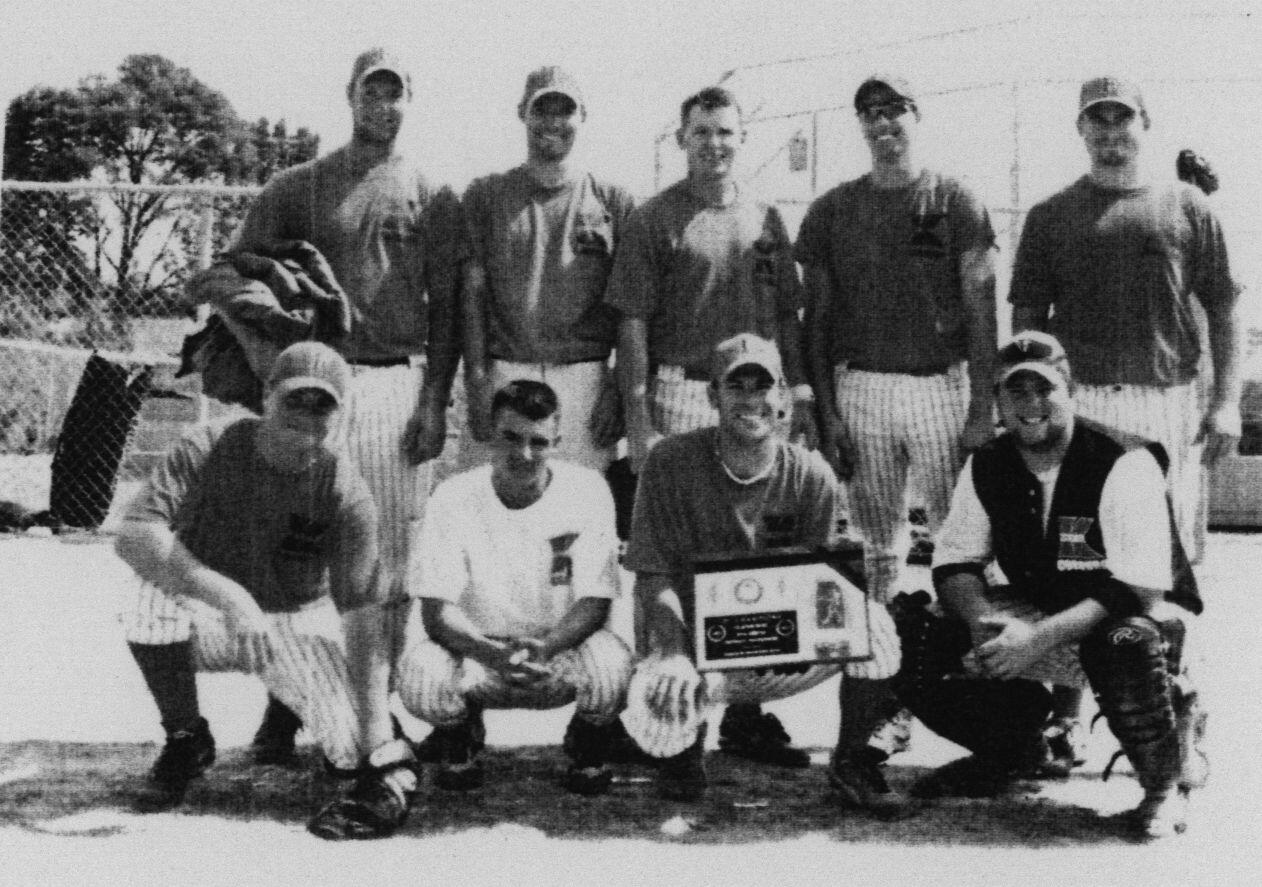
(890, 111)
(1109, 115)
(310, 400)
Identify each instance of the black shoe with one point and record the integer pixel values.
(622, 749)
(682, 777)
(746, 731)
(459, 768)
(975, 776)
(430, 749)
(1064, 748)
(273, 743)
(371, 809)
(860, 785)
(185, 757)
(587, 744)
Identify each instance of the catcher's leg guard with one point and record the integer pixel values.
(1000, 720)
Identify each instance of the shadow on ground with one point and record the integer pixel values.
(68, 788)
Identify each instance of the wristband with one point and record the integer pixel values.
(803, 392)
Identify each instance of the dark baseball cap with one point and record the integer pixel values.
(379, 58)
(1034, 352)
(745, 349)
(895, 87)
(547, 80)
(310, 365)
(1099, 90)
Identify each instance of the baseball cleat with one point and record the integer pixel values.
(746, 731)
(682, 777)
(1065, 748)
(185, 757)
(860, 785)
(372, 809)
(458, 766)
(273, 743)
(1162, 814)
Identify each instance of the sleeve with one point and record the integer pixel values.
(476, 210)
(788, 286)
(653, 548)
(163, 492)
(1033, 284)
(634, 281)
(1135, 522)
(812, 243)
(596, 549)
(440, 564)
(354, 551)
(446, 243)
(823, 506)
(269, 217)
(964, 540)
(970, 221)
(1211, 274)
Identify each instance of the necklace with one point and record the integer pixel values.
(746, 481)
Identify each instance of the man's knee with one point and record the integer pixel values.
(428, 682)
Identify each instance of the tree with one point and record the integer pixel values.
(155, 123)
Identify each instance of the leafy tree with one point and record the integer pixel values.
(154, 124)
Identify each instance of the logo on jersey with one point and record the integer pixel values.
(593, 232)
(302, 538)
(779, 530)
(1074, 552)
(562, 564)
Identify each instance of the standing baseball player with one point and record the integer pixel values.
(1078, 518)
(900, 280)
(392, 240)
(543, 238)
(739, 486)
(700, 262)
(1110, 265)
(517, 568)
(250, 537)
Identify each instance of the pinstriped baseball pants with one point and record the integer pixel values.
(1172, 418)
(437, 686)
(308, 672)
(899, 426)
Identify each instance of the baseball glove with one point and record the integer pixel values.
(1195, 170)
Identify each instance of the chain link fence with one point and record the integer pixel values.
(91, 322)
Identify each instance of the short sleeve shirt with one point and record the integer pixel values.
(517, 572)
(687, 506)
(547, 253)
(895, 300)
(699, 274)
(393, 240)
(1118, 269)
(278, 534)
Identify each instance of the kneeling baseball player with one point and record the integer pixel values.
(1078, 518)
(250, 537)
(739, 487)
(516, 570)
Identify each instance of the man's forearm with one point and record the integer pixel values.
(1224, 344)
(442, 351)
(633, 370)
(964, 595)
(473, 322)
(663, 615)
(1072, 624)
(587, 616)
(977, 277)
(452, 630)
(157, 556)
(815, 338)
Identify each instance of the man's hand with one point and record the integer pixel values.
(1012, 650)
(978, 430)
(251, 633)
(1220, 432)
(606, 423)
(425, 433)
(520, 663)
(834, 445)
(675, 692)
(478, 396)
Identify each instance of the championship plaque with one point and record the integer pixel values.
(788, 607)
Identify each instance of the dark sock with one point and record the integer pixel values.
(863, 703)
(168, 670)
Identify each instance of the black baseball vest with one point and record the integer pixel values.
(1065, 564)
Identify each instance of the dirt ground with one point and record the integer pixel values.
(77, 730)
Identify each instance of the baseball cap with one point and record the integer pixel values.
(1111, 89)
(741, 350)
(899, 86)
(310, 365)
(549, 79)
(379, 58)
(1035, 352)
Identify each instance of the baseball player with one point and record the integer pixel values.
(739, 486)
(516, 572)
(543, 237)
(700, 262)
(1078, 518)
(250, 537)
(1110, 265)
(391, 238)
(900, 279)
